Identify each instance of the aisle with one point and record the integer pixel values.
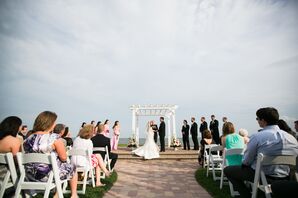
(156, 178)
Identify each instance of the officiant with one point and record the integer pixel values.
(155, 129)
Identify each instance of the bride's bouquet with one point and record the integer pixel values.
(132, 142)
(175, 142)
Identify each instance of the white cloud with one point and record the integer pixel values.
(91, 60)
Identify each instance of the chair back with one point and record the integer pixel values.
(264, 160)
(10, 175)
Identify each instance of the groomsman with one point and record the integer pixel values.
(203, 126)
(194, 133)
(162, 134)
(214, 129)
(185, 135)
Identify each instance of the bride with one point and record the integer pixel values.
(149, 150)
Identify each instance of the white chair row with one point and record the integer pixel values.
(11, 179)
(213, 159)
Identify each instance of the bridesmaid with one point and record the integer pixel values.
(115, 139)
(106, 129)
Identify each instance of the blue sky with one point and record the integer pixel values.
(91, 60)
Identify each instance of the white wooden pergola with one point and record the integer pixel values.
(165, 110)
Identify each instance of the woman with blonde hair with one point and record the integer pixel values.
(42, 141)
(232, 140)
(83, 141)
(244, 134)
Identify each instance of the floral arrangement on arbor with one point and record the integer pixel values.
(175, 142)
(132, 141)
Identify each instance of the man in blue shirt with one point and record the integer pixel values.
(270, 140)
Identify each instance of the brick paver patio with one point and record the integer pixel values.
(156, 178)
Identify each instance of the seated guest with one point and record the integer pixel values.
(9, 128)
(269, 141)
(23, 132)
(100, 140)
(60, 129)
(66, 137)
(83, 141)
(244, 134)
(284, 126)
(42, 141)
(206, 140)
(232, 140)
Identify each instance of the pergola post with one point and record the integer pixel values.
(174, 125)
(133, 122)
(169, 131)
(137, 131)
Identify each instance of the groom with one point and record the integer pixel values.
(162, 133)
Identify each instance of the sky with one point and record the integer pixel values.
(92, 60)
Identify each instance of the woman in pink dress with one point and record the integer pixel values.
(115, 139)
(106, 129)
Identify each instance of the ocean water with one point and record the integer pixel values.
(142, 141)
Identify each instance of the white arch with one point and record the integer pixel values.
(165, 110)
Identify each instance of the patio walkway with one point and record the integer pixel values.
(156, 178)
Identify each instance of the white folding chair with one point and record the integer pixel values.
(206, 155)
(264, 160)
(229, 152)
(53, 180)
(215, 161)
(87, 172)
(10, 176)
(106, 159)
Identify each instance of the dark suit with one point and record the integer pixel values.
(101, 141)
(155, 129)
(194, 135)
(203, 127)
(162, 134)
(185, 135)
(214, 131)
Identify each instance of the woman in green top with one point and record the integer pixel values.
(230, 140)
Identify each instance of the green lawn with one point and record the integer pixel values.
(212, 186)
(95, 192)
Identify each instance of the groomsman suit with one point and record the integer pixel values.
(214, 131)
(203, 127)
(185, 135)
(194, 135)
(162, 134)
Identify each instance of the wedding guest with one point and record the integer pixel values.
(115, 138)
(185, 135)
(206, 140)
(100, 140)
(96, 128)
(296, 128)
(23, 132)
(284, 126)
(231, 140)
(194, 133)
(214, 129)
(60, 130)
(42, 141)
(83, 124)
(106, 128)
(67, 137)
(83, 141)
(9, 128)
(203, 126)
(244, 134)
(270, 140)
(224, 121)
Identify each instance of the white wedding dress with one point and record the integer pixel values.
(150, 149)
